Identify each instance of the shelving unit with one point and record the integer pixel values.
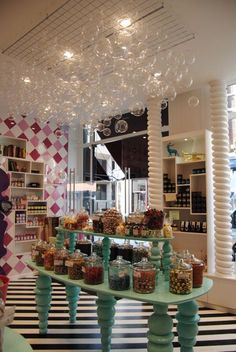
(26, 192)
(188, 206)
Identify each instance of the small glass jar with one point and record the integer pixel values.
(40, 250)
(85, 246)
(128, 229)
(198, 269)
(119, 274)
(137, 230)
(49, 257)
(144, 231)
(97, 247)
(75, 264)
(93, 270)
(126, 251)
(144, 276)
(60, 257)
(97, 222)
(181, 278)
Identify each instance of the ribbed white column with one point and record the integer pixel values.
(155, 154)
(221, 178)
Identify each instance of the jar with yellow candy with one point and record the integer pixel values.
(181, 278)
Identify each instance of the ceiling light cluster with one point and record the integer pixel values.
(104, 78)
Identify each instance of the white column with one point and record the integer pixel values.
(155, 174)
(221, 178)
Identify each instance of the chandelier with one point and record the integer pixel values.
(104, 78)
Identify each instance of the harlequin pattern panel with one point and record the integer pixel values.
(42, 145)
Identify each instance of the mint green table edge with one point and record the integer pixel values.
(160, 324)
(98, 234)
(160, 296)
(14, 342)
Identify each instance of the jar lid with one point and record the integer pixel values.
(119, 261)
(195, 260)
(77, 254)
(94, 258)
(183, 265)
(144, 264)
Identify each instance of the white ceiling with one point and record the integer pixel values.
(211, 21)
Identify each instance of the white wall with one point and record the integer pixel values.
(184, 118)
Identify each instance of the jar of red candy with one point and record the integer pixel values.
(198, 269)
(40, 250)
(144, 276)
(93, 270)
(60, 257)
(75, 264)
(49, 257)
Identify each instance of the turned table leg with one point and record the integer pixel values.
(106, 312)
(43, 300)
(160, 335)
(106, 242)
(166, 259)
(155, 257)
(72, 242)
(187, 326)
(72, 295)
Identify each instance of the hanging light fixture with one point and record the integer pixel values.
(105, 78)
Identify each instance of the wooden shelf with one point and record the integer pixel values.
(25, 241)
(177, 208)
(189, 233)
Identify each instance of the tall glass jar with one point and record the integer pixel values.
(181, 278)
(113, 250)
(49, 257)
(60, 257)
(85, 246)
(97, 247)
(144, 276)
(140, 252)
(119, 274)
(126, 251)
(40, 250)
(75, 264)
(93, 270)
(198, 270)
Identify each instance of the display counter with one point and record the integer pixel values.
(160, 324)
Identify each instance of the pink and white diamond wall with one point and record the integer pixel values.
(42, 145)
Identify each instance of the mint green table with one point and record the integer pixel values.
(160, 324)
(14, 342)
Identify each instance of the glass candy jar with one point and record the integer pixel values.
(198, 269)
(97, 222)
(49, 257)
(93, 270)
(97, 247)
(114, 250)
(40, 250)
(85, 246)
(181, 278)
(119, 274)
(126, 251)
(144, 276)
(75, 264)
(60, 257)
(139, 252)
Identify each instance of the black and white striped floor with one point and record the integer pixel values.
(217, 330)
